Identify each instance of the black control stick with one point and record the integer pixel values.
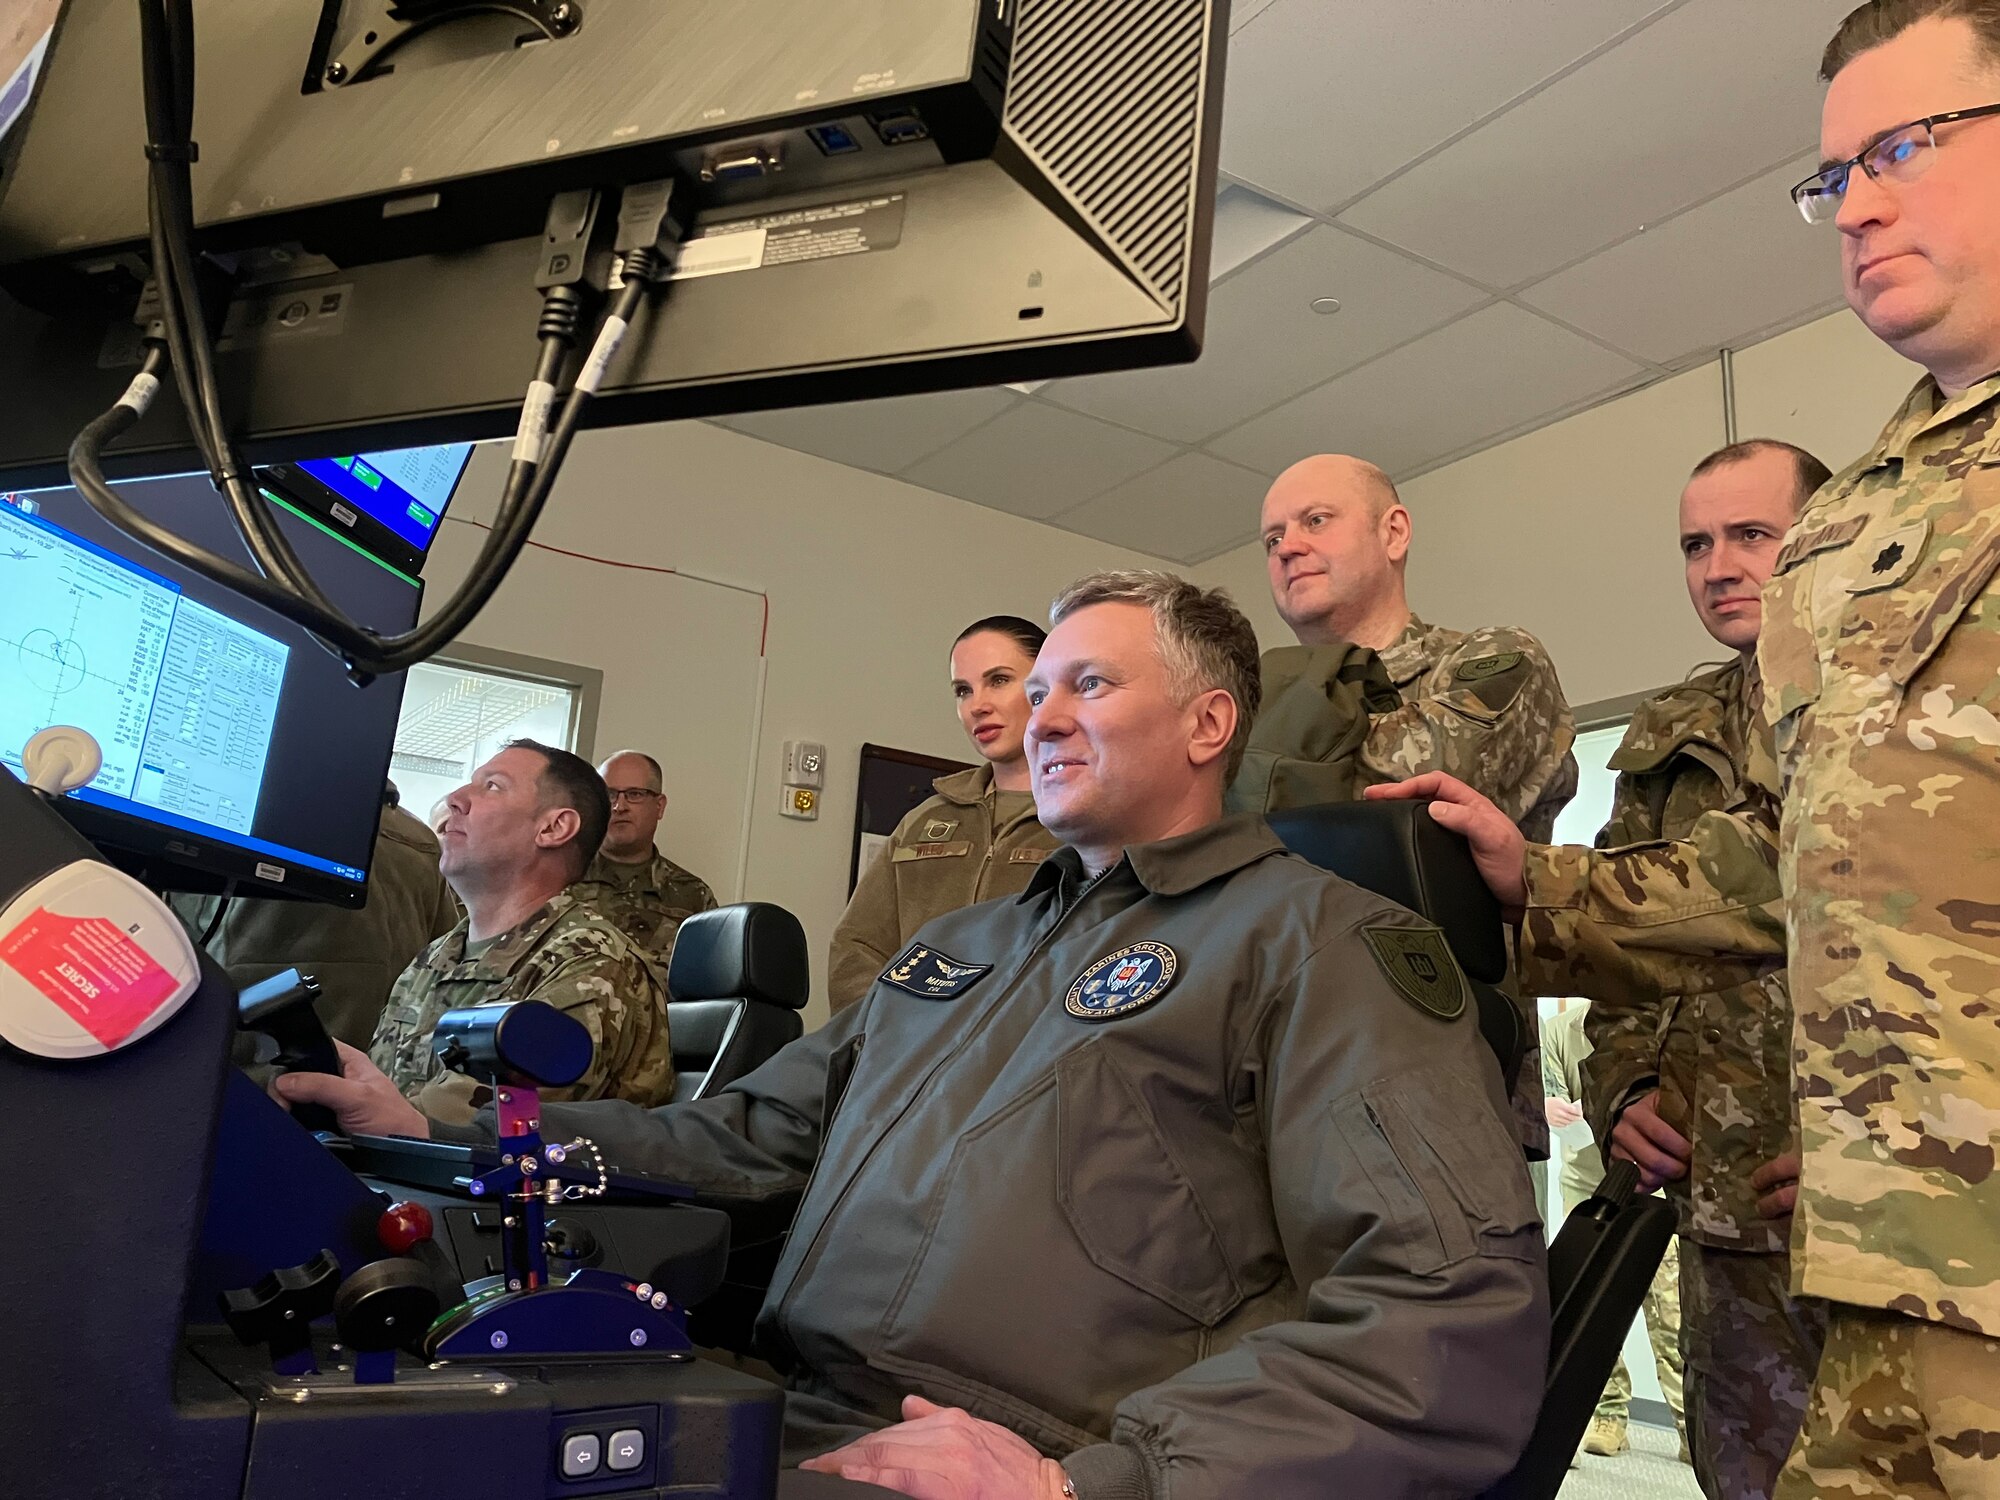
(282, 1008)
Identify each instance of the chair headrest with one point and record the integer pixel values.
(750, 951)
(1398, 850)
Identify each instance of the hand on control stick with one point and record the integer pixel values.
(362, 1099)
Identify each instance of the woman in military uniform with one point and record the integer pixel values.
(976, 839)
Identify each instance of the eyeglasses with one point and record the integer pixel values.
(638, 796)
(1903, 155)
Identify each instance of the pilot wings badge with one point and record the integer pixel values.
(1122, 982)
(931, 975)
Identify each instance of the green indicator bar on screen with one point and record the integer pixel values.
(348, 542)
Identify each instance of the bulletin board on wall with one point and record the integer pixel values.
(893, 783)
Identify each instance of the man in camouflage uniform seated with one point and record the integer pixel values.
(644, 894)
(1373, 694)
(515, 836)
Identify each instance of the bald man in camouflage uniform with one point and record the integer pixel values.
(513, 839)
(1880, 657)
(1373, 694)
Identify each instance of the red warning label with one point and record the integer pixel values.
(90, 970)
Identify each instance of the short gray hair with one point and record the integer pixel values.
(1204, 640)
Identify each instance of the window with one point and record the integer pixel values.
(458, 712)
(1578, 823)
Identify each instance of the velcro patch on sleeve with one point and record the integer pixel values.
(1482, 667)
(1418, 964)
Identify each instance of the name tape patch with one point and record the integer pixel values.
(1122, 982)
(931, 975)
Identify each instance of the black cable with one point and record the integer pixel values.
(285, 587)
(215, 922)
(167, 54)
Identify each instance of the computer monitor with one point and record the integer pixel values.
(886, 196)
(390, 503)
(235, 747)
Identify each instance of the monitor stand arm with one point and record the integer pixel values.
(378, 27)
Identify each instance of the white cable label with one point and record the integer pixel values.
(534, 428)
(140, 393)
(609, 337)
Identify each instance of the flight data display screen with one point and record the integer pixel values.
(406, 490)
(181, 698)
(235, 747)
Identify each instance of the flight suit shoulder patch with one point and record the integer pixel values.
(1418, 964)
(1122, 982)
(1482, 667)
(930, 975)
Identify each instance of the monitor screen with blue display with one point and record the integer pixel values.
(390, 503)
(235, 749)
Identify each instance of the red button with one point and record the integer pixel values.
(402, 1226)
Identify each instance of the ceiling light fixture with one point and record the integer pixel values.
(1325, 304)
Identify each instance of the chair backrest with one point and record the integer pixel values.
(1398, 850)
(738, 979)
(1599, 1269)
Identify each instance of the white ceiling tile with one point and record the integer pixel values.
(1324, 99)
(1739, 264)
(1037, 460)
(1243, 12)
(1672, 115)
(1189, 508)
(1263, 343)
(1495, 370)
(886, 436)
(1246, 225)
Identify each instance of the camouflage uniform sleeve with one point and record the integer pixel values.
(867, 936)
(1623, 1023)
(618, 998)
(1500, 724)
(1674, 917)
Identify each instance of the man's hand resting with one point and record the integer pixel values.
(1497, 846)
(361, 1098)
(1641, 1137)
(943, 1453)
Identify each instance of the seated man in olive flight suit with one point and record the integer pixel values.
(1185, 1172)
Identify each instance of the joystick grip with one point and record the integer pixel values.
(282, 1008)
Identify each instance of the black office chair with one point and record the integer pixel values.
(1605, 1257)
(1599, 1269)
(738, 979)
(1398, 850)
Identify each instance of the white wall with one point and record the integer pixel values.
(1570, 531)
(869, 580)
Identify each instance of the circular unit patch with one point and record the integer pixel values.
(1125, 981)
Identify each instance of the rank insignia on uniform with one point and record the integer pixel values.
(1892, 559)
(1416, 961)
(1122, 982)
(938, 829)
(930, 975)
(1489, 666)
